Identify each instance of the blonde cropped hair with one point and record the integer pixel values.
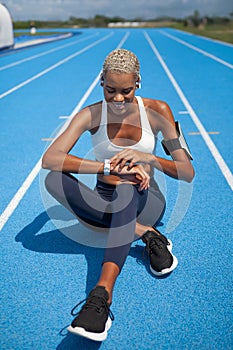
(122, 61)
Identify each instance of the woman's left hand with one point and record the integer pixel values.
(129, 157)
(137, 174)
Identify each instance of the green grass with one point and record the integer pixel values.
(222, 32)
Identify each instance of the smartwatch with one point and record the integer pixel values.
(107, 167)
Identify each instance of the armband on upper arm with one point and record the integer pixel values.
(177, 143)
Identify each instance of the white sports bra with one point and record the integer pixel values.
(105, 149)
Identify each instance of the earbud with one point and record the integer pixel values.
(138, 84)
(101, 80)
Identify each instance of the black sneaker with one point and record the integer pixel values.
(159, 248)
(95, 317)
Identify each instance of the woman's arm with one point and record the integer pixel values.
(179, 167)
(57, 158)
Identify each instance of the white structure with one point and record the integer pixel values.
(6, 28)
(126, 24)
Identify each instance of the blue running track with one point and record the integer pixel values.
(44, 273)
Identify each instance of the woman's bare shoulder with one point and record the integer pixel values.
(159, 107)
(87, 116)
(95, 107)
(96, 111)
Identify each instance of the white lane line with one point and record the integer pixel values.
(46, 52)
(27, 183)
(195, 48)
(183, 112)
(59, 63)
(19, 195)
(213, 149)
(208, 132)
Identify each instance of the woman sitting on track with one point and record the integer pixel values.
(126, 199)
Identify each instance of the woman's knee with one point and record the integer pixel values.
(52, 181)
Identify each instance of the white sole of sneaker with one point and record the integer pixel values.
(90, 335)
(169, 269)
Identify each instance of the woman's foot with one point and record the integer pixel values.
(159, 249)
(95, 317)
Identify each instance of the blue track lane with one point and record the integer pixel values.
(44, 273)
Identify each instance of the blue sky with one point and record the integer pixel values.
(129, 9)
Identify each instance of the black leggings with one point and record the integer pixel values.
(108, 206)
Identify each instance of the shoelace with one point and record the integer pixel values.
(94, 304)
(156, 241)
(159, 241)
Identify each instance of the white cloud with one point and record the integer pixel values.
(63, 9)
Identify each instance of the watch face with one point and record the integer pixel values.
(107, 167)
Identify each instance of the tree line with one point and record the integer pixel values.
(101, 21)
